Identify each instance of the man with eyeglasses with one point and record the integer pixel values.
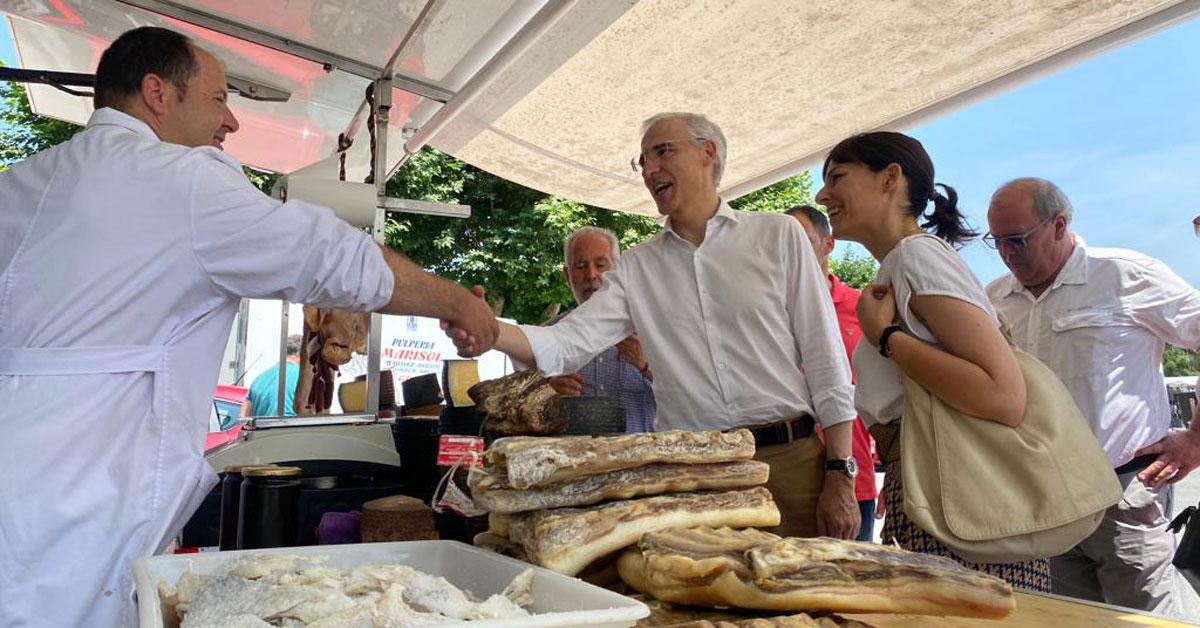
(1099, 318)
(733, 312)
(620, 371)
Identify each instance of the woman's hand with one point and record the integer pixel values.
(876, 310)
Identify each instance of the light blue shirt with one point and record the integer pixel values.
(264, 392)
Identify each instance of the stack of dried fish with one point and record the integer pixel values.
(551, 499)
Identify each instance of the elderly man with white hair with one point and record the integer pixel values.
(734, 314)
(1099, 318)
(619, 371)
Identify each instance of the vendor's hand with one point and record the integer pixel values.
(876, 311)
(472, 327)
(838, 515)
(630, 350)
(568, 385)
(1178, 453)
(881, 504)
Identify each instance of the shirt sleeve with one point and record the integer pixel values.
(251, 245)
(815, 329)
(929, 267)
(599, 323)
(1163, 302)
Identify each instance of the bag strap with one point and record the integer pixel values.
(1182, 519)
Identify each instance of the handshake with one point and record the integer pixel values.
(471, 325)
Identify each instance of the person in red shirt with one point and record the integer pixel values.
(845, 300)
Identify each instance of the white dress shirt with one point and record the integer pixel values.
(123, 260)
(1101, 327)
(740, 330)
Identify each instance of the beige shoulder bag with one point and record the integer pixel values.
(996, 494)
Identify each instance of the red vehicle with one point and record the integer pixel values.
(223, 423)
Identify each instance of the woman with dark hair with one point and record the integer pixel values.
(877, 188)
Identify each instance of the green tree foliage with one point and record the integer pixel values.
(261, 179)
(1179, 362)
(854, 270)
(511, 244)
(778, 197)
(23, 132)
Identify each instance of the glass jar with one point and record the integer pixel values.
(269, 512)
(231, 493)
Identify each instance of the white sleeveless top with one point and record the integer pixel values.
(925, 265)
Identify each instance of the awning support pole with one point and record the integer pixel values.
(379, 166)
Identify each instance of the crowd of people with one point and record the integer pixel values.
(724, 319)
(1098, 317)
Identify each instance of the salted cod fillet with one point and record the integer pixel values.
(533, 461)
(568, 539)
(491, 490)
(750, 569)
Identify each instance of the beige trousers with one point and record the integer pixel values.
(797, 476)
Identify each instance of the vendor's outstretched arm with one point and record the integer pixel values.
(418, 293)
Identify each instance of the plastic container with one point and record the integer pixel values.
(559, 601)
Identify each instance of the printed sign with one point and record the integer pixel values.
(454, 448)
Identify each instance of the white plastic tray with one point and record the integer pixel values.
(559, 601)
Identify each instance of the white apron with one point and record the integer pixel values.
(122, 262)
(105, 504)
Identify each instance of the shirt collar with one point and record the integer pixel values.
(837, 289)
(110, 116)
(1073, 273)
(725, 213)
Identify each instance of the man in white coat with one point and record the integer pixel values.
(123, 256)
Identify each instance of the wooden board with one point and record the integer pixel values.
(1034, 611)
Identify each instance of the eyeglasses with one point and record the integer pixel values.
(659, 152)
(1014, 241)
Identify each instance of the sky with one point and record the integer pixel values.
(1119, 133)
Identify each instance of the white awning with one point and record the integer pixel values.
(550, 94)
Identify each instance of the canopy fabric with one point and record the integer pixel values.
(558, 108)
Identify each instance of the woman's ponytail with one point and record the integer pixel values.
(945, 219)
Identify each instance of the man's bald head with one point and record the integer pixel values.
(1030, 217)
(1048, 199)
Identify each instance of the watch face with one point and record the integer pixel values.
(852, 467)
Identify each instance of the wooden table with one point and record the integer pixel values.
(1036, 611)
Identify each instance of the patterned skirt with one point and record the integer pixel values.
(1031, 575)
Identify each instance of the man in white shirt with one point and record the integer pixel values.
(1099, 318)
(732, 311)
(124, 254)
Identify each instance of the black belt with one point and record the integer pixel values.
(1137, 464)
(782, 432)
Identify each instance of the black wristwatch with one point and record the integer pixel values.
(847, 465)
(883, 340)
